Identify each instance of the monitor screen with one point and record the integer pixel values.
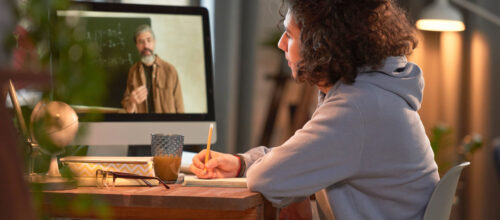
(158, 66)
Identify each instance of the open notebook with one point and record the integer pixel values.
(191, 180)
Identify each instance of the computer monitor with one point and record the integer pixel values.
(182, 39)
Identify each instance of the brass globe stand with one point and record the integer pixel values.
(53, 179)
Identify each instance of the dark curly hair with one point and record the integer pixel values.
(340, 36)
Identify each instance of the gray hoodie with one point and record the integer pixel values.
(365, 148)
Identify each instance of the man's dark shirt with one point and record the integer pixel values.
(148, 71)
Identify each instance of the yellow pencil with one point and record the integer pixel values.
(207, 153)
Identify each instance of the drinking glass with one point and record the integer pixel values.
(167, 154)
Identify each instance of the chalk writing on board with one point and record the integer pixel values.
(107, 39)
(119, 60)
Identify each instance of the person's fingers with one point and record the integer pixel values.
(139, 94)
(197, 171)
(214, 162)
(211, 173)
(193, 169)
(134, 99)
(139, 90)
(142, 91)
(142, 95)
(198, 163)
(201, 170)
(134, 96)
(206, 173)
(199, 159)
(142, 98)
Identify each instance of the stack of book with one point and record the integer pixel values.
(84, 168)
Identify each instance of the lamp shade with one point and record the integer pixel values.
(440, 16)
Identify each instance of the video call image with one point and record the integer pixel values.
(154, 63)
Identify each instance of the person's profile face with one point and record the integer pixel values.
(145, 43)
(290, 43)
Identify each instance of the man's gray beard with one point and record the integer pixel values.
(148, 59)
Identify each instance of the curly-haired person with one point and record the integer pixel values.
(364, 152)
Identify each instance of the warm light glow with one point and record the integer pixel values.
(452, 75)
(440, 25)
(479, 83)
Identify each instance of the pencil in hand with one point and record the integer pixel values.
(207, 153)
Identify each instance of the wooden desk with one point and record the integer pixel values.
(178, 202)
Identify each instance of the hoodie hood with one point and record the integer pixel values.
(397, 76)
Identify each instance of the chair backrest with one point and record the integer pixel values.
(439, 206)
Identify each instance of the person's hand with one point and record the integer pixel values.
(139, 95)
(219, 165)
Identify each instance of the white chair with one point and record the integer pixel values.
(439, 206)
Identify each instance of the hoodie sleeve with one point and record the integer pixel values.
(325, 151)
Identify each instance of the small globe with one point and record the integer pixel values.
(53, 125)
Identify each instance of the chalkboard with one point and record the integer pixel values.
(117, 51)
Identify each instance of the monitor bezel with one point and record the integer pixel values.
(158, 9)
